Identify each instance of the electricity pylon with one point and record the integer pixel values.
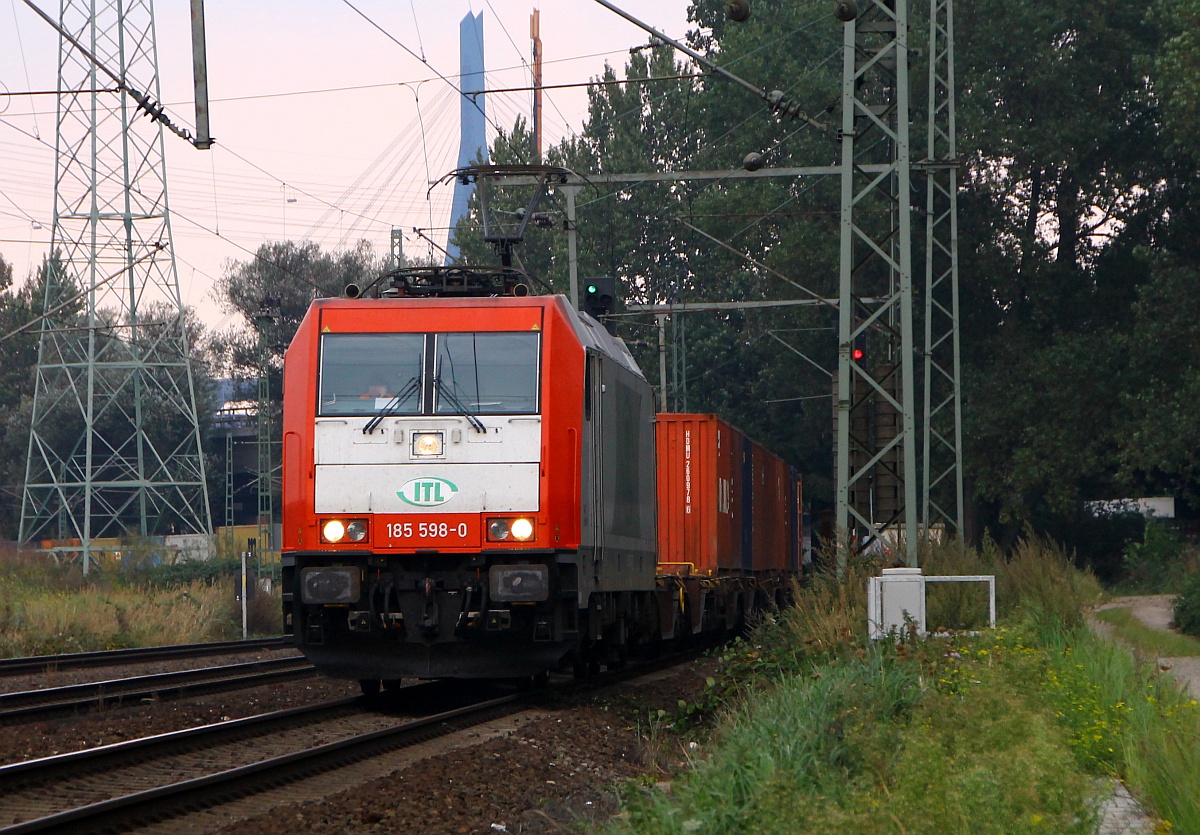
(115, 442)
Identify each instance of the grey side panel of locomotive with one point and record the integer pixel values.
(619, 539)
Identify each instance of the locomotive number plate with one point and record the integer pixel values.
(433, 531)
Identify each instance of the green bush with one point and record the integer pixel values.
(1156, 564)
(1041, 584)
(210, 571)
(956, 605)
(1187, 606)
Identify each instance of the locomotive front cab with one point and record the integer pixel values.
(421, 537)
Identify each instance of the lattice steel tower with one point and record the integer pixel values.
(942, 494)
(115, 442)
(875, 444)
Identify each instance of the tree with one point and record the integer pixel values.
(1079, 229)
(293, 274)
(283, 278)
(20, 308)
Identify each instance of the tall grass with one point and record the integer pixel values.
(814, 729)
(47, 609)
(806, 736)
(50, 622)
(1130, 718)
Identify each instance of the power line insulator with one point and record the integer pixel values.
(738, 10)
(846, 10)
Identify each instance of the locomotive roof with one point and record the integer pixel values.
(591, 334)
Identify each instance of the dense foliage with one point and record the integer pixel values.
(20, 304)
(1079, 248)
(1187, 606)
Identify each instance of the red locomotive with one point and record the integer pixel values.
(469, 492)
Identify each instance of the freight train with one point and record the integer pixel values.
(471, 489)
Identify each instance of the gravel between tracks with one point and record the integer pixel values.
(541, 771)
(551, 773)
(43, 737)
(548, 771)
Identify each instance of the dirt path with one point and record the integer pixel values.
(1122, 814)
(1154, 610)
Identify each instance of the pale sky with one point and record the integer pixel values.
(299, 156)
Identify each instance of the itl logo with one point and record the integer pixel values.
(427, 492)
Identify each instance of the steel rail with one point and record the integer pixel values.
(102, 658)
(164, 801)
(180, 798)
(14, 776)
(159, 685)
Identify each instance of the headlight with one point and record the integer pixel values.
(338, 530)
(333, 531)
(427, 443)
(522, 529)
(503, 530)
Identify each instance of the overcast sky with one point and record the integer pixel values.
(327, 129)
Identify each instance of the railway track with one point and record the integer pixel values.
(141, 782)
(122, 785)
(106, 658)
(26, 704)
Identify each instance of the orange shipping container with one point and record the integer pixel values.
(699, 462)
(725, 503)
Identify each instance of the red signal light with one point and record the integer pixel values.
(857, 354)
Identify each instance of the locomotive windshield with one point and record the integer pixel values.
(434, 373)
(360, 372)
(490, 373)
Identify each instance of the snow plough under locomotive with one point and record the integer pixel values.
(471, 490)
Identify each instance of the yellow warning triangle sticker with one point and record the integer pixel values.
(536, 327)
(326, 329)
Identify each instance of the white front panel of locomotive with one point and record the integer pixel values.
(493, 471)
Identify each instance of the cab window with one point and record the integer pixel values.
(486, 373)
(363, 372)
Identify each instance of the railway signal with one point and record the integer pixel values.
(858, 352)
(600, 300)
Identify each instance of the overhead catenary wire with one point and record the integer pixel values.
(217, 234)
(346, 88)
(525, 63)
(151, 107)
(358, 214)
(406, 48)
(337, 206)
(24, 61)
(733, 61)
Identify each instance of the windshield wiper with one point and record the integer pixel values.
(461, 407)
(390, 407)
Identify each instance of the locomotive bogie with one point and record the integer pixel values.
(387, 617)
